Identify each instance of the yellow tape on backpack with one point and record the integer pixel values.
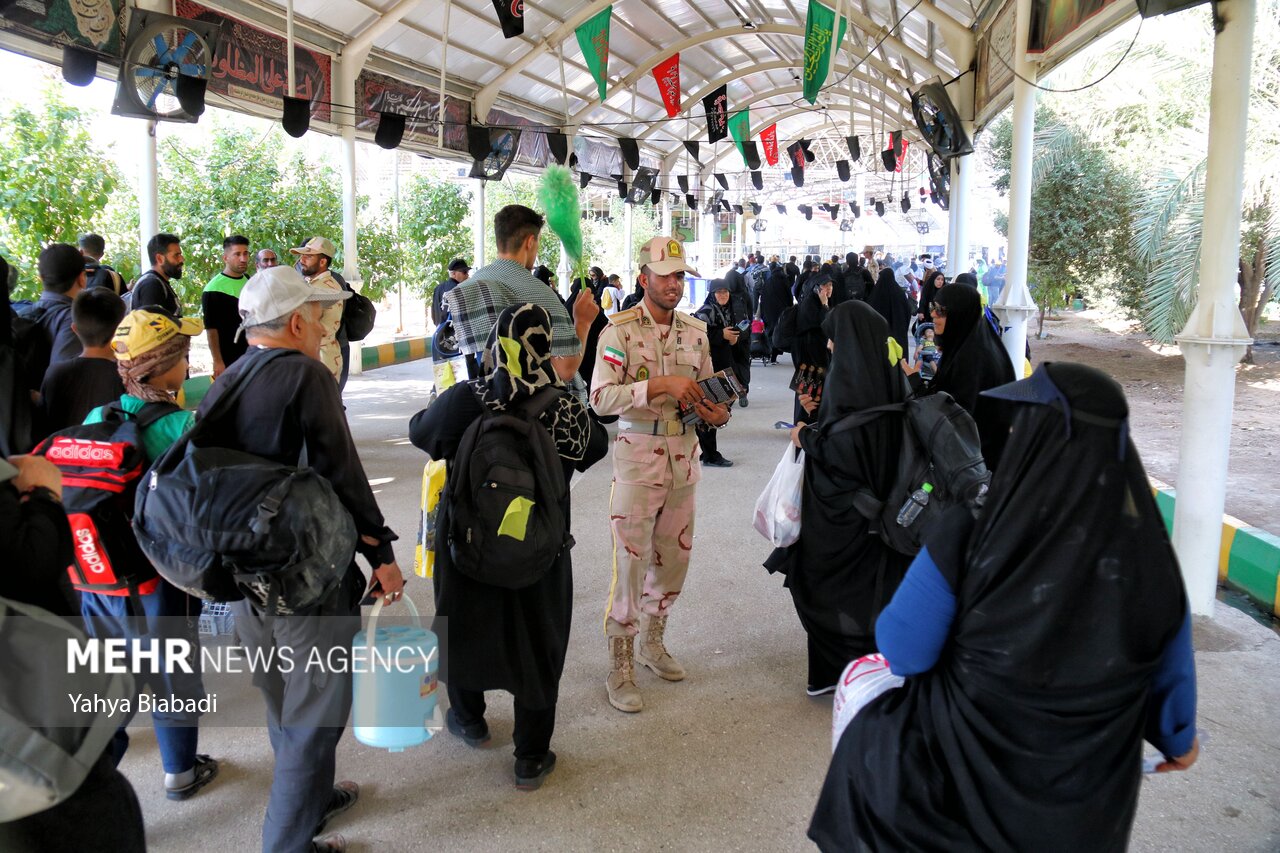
(424, 552)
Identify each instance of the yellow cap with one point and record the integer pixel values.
(143, 330)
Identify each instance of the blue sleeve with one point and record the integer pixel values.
(1171, 706)
(913, 629)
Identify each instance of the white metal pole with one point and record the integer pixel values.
(1215, 337)
(958, 243)
(289, 46)
(479, 224)
(1015, 303)
(666, 214)
(344, 85)
(399, 247)
(148, 195)
(444, 61)
(628, 260)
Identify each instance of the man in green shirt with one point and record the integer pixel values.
(220, 303)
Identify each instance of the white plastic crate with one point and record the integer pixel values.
(216, 618)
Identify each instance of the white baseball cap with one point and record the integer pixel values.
(278, 292)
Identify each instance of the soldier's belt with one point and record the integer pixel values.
(654, 427)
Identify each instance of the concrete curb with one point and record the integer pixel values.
(1249, 558)
(370, 358)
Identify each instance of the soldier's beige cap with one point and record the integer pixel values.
(664, 256)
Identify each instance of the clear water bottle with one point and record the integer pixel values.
(914, 506)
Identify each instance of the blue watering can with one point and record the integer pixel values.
(396, 688)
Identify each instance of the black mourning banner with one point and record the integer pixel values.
(755, 208)
(842, 169)
(630, 152)
(642, 185)
(714, 201)
(622, 188)
(722, 180)
(795, 151)
(857, 211)
(692, 201)
(390, 130)
(782, 208)
(559, 145)
(757, 180)
(716, 106)
(889, 157)
(692, 148)
(683, 181)
(511, 16)
(751, 154)
(806, 210)
(655, 197)
(855, 148)
(797, 175)
(737, 208)
(491, 150)
(297, 116)
(724, 202)
(583, 180)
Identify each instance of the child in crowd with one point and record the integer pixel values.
(926, 352)
(76, 387)
(151, 347)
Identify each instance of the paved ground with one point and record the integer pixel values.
(730, 759)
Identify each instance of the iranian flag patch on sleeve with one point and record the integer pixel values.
(614, 356)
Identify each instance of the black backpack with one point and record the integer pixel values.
(503, 509)
(784, 333)
(101, 464)
(224, 524)
(358, 314)
(940, 446)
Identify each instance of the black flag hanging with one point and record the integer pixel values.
(622, 186)
(782, 208)
(716, 106)
(751, 154)
(630, 152)
(297, 116)
(511, 16)
(722, 180)
(724, 202)
(655, 197)
(797, 175)
(559, 145)
(390, 131)
(755, 208)
(692, 148)
(857, 211)
(855, 148)
(692, 201)
(757, 180)
(583, 180)
(641, 185)
(806, 210)
(737, 208)
(683, 181)
(842, 169)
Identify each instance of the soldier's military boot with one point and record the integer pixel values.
(653, 654)
(621, 683)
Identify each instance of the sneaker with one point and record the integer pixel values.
(530, 773)
(332, 843)
(344, 796)
(719, 462)
(475, 735)
(206, 769)
(819, 691)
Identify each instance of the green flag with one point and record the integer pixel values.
(740, 128)
(593, 38)
(817, 47)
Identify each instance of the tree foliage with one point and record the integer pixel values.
(243, 182)
(1082, 209)
(54, 182)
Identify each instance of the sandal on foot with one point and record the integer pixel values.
(332, 843)
(206, 769)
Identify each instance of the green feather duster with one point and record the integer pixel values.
(559, 197)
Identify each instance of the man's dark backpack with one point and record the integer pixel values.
(101, 275)
(503, 507)
(358, 314)
(102, 464)
(224, 524)
(784, 333)
(940, 446)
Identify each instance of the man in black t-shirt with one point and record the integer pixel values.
(459, 271)
(74, 388)
(220, 304)
(154, 288)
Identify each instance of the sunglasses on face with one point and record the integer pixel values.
(939, 311)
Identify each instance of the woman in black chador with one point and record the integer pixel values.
(494, 638)
(723, 335)
(839, 573)
(1041, 644)
(973, 360)
(892, 304)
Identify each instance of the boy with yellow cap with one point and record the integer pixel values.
(151, 347)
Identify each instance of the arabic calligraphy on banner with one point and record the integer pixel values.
(91, 23)
(252, 64)
(993, 89)
(419, 106)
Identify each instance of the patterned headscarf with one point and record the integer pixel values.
(517, 364)
(136, 371)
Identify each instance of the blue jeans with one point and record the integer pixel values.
(170, 613)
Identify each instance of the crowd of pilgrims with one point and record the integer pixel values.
(1041, 641)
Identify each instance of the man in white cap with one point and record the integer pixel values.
(291, 406)
(647, 366)
(315, 258)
